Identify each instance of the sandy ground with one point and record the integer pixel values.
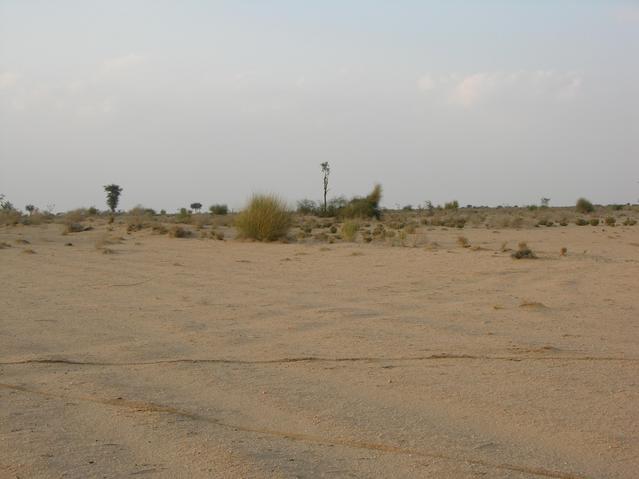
(202, 358)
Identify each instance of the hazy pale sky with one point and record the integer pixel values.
(491, 102)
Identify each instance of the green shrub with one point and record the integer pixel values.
(219, 209)
(581, 222)
(367, 207)
(610, 220)
(584, 206)
(451, 205)
(629, 222)
(266, 218)
(594, 221)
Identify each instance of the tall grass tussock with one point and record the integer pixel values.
(266, 218)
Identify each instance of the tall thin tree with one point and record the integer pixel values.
(326, 170)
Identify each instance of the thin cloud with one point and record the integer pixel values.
(627, 14)
(482, 87)
(8, 80)
(121, 63)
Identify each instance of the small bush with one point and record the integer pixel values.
(184, 216)
(610, 221)
(584, 206)
(266, 218)
(219, 209)
(73, 228)
(524, 252)
(594, 221)
(629, 222)
(451, 205)
(179, 232)
(350, 230)
(307, 207)
(581, 222)
(463, 242)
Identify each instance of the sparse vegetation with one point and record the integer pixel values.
(266, 218)
(610, 221)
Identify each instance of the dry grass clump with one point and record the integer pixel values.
(4, 245)
(266, 218)
(610, 221)
(9, 217)
(28, 251)
(350, 230)
(630, 222)
(180, 232)
(463, 242)
(159, 229)
(524, 252)
(563, 252)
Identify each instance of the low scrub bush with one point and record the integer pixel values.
(524, 252)
(610, 221)
(266, 218)
(180, 232)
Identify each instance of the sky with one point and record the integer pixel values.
(488, 103)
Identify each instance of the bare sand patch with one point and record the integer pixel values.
(196, 357)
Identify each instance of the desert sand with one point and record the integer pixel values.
(202, 358)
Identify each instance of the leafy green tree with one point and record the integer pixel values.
(113, 196)
(30, 209)
(196, 207)
(584, 206)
